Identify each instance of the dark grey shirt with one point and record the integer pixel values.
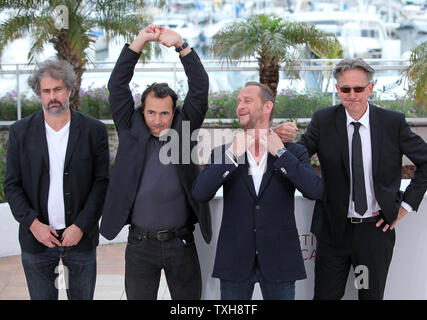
(160, 203)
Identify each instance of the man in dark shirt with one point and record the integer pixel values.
(152, 194)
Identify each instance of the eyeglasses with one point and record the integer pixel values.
(356, 89)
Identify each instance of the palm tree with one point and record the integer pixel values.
(417, 74)
(72, 42)
(272, 40)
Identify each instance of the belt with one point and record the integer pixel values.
(363, 220)
(162, 235)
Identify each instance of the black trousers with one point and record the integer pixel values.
(145, 258)
(365, 247)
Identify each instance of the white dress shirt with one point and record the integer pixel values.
(57, 146)
(365, 137)
(257, 170)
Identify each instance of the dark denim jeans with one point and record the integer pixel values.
(146, 257)
(42, 273)
(243, 290)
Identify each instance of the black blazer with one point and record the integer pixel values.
(391, 137)
(26, 182)
(263, 223)
(133, 136)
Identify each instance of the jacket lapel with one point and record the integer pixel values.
(376, 137)
(267, 174)
(342, 137)
(248, 177)
(40, 137)
(73, 137)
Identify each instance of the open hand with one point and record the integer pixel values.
(400, 215)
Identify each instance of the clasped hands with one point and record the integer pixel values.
(49, 237)
(166, 37)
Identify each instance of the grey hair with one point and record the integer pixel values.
(353, 64)
(56, 69)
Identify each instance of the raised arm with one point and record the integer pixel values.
(121, 100)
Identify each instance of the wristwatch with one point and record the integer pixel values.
(280, 151)
(182, 47)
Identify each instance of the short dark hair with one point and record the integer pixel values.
(161, 90)
(56, 69)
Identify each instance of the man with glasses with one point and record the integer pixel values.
(360, 148)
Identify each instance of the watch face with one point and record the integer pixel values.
(280, 152)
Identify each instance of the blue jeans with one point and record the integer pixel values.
(42, 273)
(243, 290)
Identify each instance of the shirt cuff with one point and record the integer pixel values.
(406, 206)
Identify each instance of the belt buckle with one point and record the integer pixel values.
(160, 233)
(356, 220)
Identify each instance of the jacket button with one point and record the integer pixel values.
(257, 207)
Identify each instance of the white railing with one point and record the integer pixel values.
(175, 67)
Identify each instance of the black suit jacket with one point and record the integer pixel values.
(391, 137)
(133, 136)
(26, 182)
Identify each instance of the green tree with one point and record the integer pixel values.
(272, 40)
(46, 22)
(417, 74)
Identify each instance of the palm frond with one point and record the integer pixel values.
(417, 74)
(15, 28)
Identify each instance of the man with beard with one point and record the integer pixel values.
(258, 239)
(56, 179)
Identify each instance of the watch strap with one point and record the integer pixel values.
(182, 47)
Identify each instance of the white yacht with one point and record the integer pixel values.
(361, 34)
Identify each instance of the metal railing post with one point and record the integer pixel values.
(331, 74)
(174, 77)
(18, 93)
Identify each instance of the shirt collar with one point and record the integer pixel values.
(252, 163)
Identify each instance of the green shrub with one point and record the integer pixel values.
(290, 104)
(94, 101)
(2, 171)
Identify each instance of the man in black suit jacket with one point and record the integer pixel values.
(56, 179)
(151, 194)
(258, 240)
(360, 148)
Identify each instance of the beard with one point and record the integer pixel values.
(58, 108)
